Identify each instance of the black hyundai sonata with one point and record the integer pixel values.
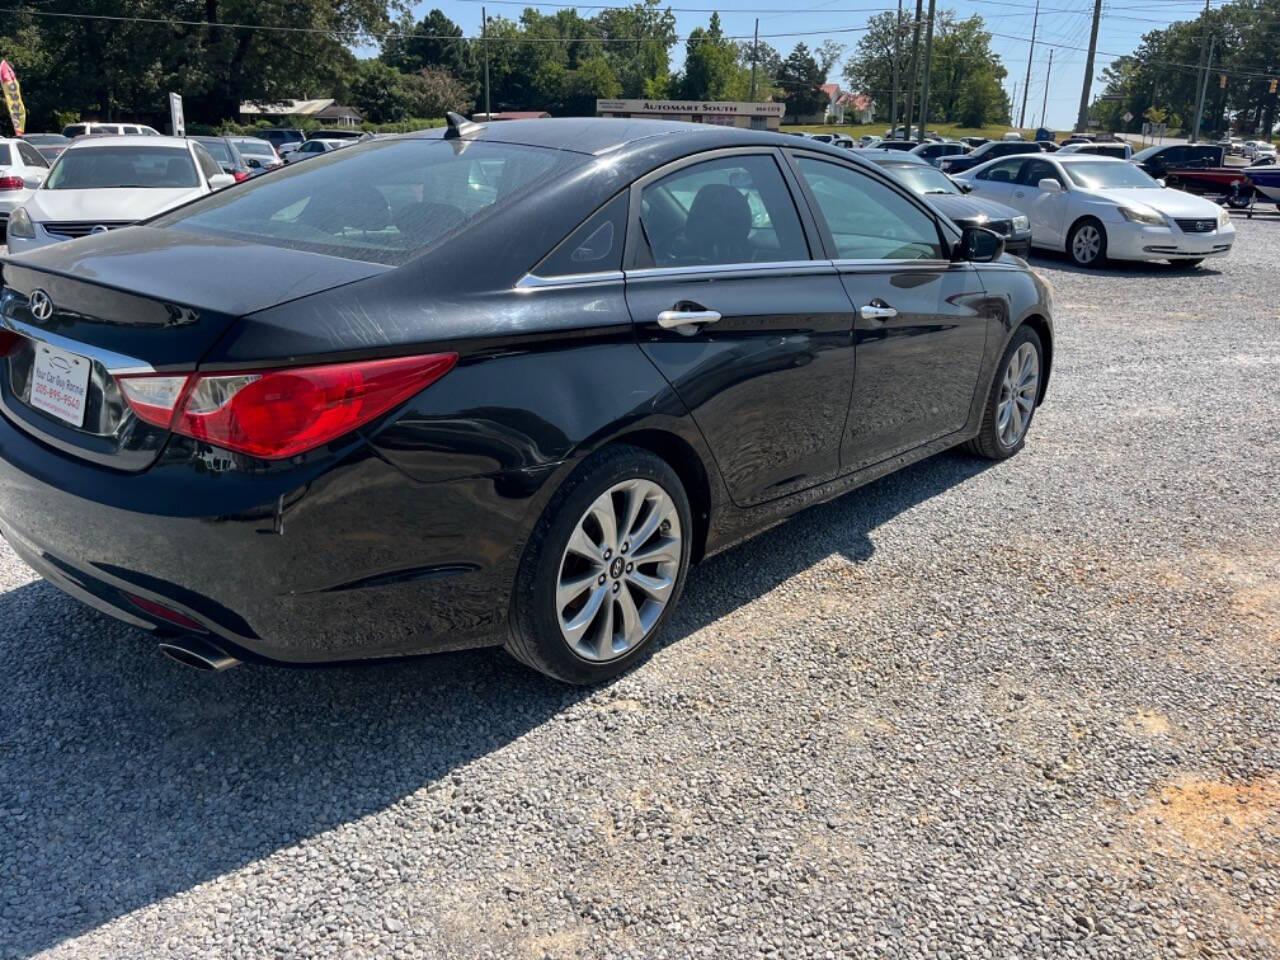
(492, 385)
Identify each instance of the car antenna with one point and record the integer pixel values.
(460, 126)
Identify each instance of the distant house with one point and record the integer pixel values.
(844, 107)
(327, 111)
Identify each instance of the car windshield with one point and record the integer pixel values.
(1103, 174)
(382, 202)
(43, 139)
(257, 148)
(923, 178)
(92, 168)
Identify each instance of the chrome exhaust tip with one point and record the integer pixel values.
(198, 654)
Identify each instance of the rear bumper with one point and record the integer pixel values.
(347, 561)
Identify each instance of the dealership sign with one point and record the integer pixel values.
(723, 108)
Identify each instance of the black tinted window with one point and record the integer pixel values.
(594, 247)
(733, 210)
(1033, 171)
(383, 202)
(1006, 171)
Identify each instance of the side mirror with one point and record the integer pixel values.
(964, 185)
(1050, 185)
(249, 161)
(1161, 182)
(979, 245)
(221, 180)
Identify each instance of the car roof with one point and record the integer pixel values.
(1083, 158)
(127, 140)
(599, 135)
(902, 158)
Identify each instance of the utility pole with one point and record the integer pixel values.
(1022, 117)
(897, 57)
(1204, 89)
(1082, 118)
(1044, 106)
(915, 63)
(484, 34)
(1204, 46)
(755, 47)
(928, 61)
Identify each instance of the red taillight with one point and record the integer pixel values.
(12, 183)
(161, 612)
(240, 175)
(273, 414)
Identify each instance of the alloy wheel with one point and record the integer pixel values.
(618, 570)
(1087, 244)
(1018, 390)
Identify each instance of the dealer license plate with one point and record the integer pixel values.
(60, 384)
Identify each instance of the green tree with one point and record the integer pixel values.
(801, 78)
(711, 67)
(434, 41)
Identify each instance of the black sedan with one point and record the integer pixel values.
(988, 151)
(481, 386)
(965, 211)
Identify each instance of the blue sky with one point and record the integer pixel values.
(1064, 24)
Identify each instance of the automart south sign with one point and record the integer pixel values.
(728, 112)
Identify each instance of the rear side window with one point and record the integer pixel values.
(219, 151)
(733, 210)
(30, 155)
(594, 247)
(208, 166)
(6, 156)
(382, 202)
(1006, 171)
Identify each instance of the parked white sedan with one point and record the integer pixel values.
(1097, 208)
(22, 169)
(101, 183)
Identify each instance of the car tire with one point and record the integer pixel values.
(1186, 264)
(582, 610)
(1087, 243)
(1011, 401)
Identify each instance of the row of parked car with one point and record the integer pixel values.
(117, 174)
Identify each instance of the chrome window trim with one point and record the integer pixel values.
(898, 266)
(533, 282)
(113, 363)
(744, 271)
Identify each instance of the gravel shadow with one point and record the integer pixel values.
(125, 778)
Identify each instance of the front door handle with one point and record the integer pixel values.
(675, 319)
(878, 312)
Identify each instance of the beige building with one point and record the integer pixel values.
(753, 116)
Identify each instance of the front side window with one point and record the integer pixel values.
(1006, 171)
(1033, 171)
(731, 210)
(869, 221)
(92, 168)
(384, 202)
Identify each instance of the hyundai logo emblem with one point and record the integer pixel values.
(1205, 226)
(41, 305)
(98, 229)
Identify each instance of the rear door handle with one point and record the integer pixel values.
(871, 312)
(674, 319)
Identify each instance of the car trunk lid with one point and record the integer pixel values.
(140, 300)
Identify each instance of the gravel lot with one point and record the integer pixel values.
(1018, 711)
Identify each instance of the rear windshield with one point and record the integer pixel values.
(257, 148)
(383, 202)
(219, 149)
(89, 168)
